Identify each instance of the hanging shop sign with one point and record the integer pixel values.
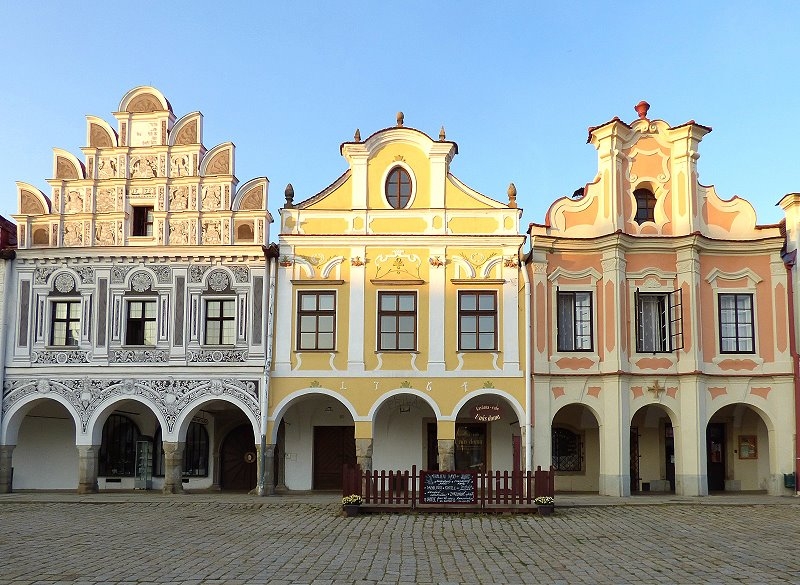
(486, 412)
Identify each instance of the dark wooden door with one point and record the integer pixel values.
(634, 459)
(715, 445)
(433, 448)
(238, 459)
(669, 455)
(334, 447)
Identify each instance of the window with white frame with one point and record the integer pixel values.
(477, 321)
(397, 321)
(659, 322)
(736, 331)
(140, 322)
(220, 322)
(398, 187)
(574, 321)
(316, 320)
(65, 327)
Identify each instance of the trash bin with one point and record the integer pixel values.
(789, 480)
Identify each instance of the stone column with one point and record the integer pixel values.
(447, 454)
(5, 468)
(173, 467)
(87, 468)
(364, 454)
(268, 487)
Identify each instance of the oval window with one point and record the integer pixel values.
(398, 188)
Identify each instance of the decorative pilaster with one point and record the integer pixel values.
(689, 281)
(87, 468)
(173, 467)
(615, 309)
(364, 454)
(447, 454)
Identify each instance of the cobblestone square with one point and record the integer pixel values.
(232, 540)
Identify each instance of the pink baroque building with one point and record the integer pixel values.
(660, 316)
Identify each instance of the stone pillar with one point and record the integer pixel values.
(447, 454)
(5, 468)
(215, 483)
(87, 468)
(173, 467)
(268, 474)
(364, 454)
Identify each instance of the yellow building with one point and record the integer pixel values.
(399, 312)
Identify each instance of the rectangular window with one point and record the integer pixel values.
(66, 325)
(316, 321)
(477, 321)
(220, 322)
(397, 321)
(574, 321)
(659, 322)
(736, 333)
(140, 325)
(142, 221)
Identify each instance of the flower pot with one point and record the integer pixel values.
(545, 509)
(350, 510)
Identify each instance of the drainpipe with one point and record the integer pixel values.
(271, 254)
(789, 261)
(6, 258)
(528, 373)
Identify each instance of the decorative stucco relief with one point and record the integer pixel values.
(218, 355)
(130, 356)
(169, 396)
(66, 356)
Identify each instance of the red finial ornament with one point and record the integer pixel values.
(641, 109)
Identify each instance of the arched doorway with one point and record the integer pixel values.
(317, 438)
(238, 459)
(737, 450)
(124, 423)
(652, 451)
(404, 434)
(45, 456)
(575, 449)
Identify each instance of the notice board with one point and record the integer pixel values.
(449, 487)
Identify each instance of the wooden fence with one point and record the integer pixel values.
(408, 489)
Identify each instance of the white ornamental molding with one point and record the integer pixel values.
(218, 355)
(64, 283)
(139, 356)
(118, 274)
(168, 396)
(62, 357)
(41, 275)
(141, 281)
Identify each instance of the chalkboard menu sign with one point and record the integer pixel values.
(449, 487)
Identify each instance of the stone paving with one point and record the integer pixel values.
(238, 539)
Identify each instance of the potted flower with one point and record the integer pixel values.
(351, 505)
(544, 505)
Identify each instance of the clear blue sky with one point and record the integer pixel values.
(515, 84)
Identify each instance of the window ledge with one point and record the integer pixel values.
(316, 282)
(396, 351)
(409, 282)
(478, 351)
(750, 357)
(477, 281)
